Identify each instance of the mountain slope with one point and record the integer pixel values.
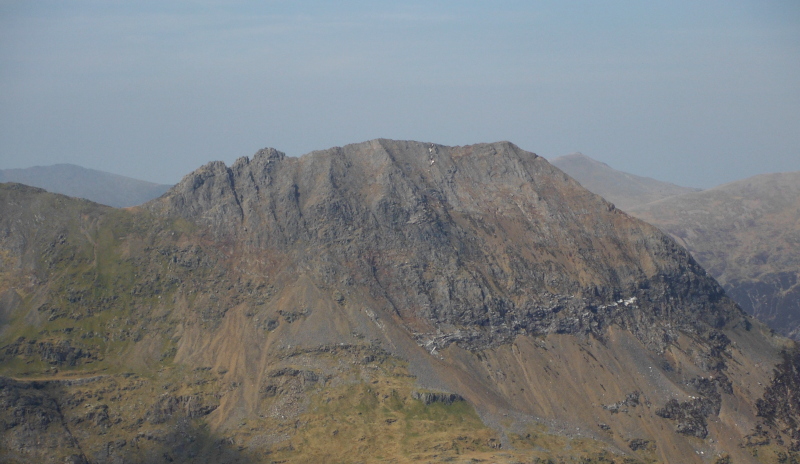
(98, 186)
(625, 190)
(381, 301)
(747, 235)
(419, 213)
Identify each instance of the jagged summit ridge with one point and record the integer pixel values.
(473, 244)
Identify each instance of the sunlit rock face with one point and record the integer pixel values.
(473, 245)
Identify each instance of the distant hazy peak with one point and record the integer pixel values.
(578, 157)
(76, 181)
(625, 190)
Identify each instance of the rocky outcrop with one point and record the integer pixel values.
(32, 425)
(691, 416)
(640, 444)
(435, 397)
(631, 400)
(468, 245)
(780, 406)
(190, 406)
(57, 354)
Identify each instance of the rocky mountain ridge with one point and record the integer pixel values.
(438, 201)
(383, 300)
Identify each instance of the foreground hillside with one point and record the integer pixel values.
(380, 302)
(747, 235)
(98, 186)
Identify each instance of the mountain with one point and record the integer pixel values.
(625, 190)
(387, 301)
(98, 186)
(747, 235)
(744, 233)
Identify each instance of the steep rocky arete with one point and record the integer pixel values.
(386, 300)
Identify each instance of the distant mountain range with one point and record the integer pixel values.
(101, 187)
(621, 188)
(746, 234)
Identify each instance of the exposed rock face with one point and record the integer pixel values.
(472, 245)
(780, 406)
(690, 416)
(32, 425)
(433, 397)
(746, 235)
(304, 309)
(623, 189)
(60, 354)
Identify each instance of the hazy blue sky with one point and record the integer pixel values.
(694, 92)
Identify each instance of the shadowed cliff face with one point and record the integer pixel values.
(746, 233)
(381, 300)
(487, 239)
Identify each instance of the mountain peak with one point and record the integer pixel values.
(578, 159)
(431, 205)
(621, 188)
